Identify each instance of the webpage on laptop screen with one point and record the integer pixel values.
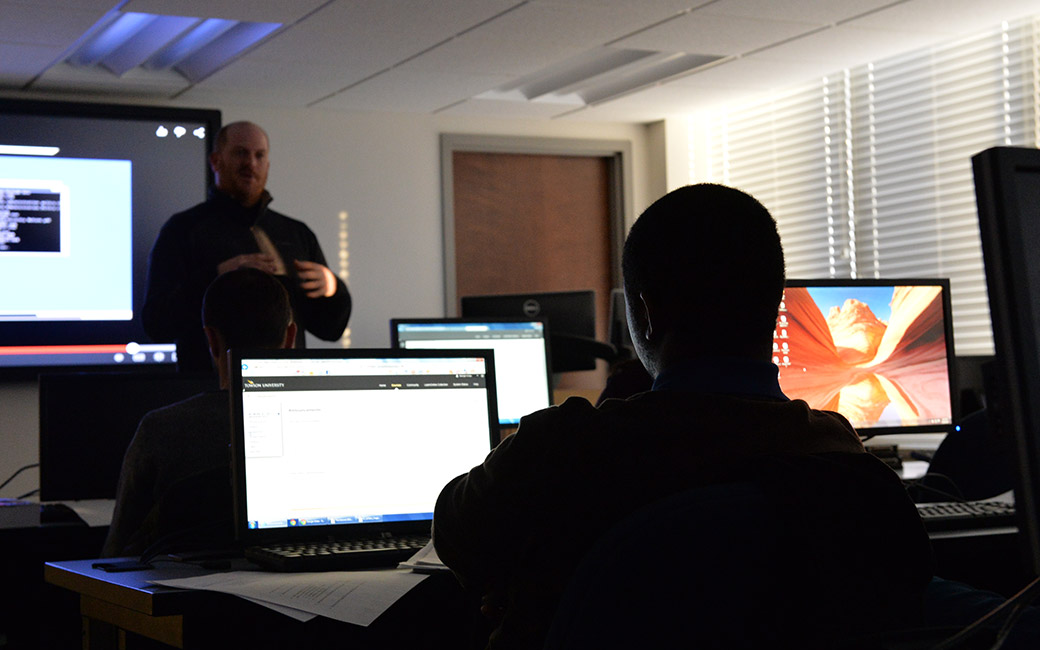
(343, 441)
(521, 370)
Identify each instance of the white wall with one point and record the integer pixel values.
(384, 171)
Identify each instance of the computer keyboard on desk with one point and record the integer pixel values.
(339, 555)
(966, 515)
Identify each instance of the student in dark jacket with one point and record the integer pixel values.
(703, 277)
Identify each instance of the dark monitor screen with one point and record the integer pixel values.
(880, 352)
(87, 420)
(521, 355)
(84, 190)
(570, 316)
(1007, 190)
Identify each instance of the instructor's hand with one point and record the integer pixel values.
(316, 280)
(260, 261)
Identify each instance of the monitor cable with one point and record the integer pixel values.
(1016, 605)
(17, 472)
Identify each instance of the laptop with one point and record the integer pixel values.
(338, 456)
(522, 374)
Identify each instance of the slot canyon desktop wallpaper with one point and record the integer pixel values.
(875, 354)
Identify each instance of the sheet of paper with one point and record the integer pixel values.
(425, 560)
(357, 597)
(298, 614)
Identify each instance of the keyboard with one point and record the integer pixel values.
(383, 551)
(966, 515)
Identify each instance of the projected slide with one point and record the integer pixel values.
(877, 355)
(65, 235)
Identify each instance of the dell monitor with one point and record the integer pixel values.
(880, 352)
(570, 316)
(521, 355)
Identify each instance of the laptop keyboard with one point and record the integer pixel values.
(966, 515)
(383, 551)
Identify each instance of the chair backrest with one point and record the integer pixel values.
(808, 552)
(703, 551)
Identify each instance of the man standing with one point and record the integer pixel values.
(235, 229)
(703, 277)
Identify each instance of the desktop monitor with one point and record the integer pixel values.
(84, 190)
(87, 420)
(570, 316)
(1007, 190)
(880, 352)
(521, 355)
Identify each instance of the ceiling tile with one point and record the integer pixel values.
(260, 11)
(846, 46)
(576, 25)
(411, 91)
(98, 6)
(94, 80)
(35, 25)
(755, 75)
(312, 80)
(473, 55)
(386, 32)
(803, 11)
(504, 109)
(20, 63)
(697, 33)
(948, 17)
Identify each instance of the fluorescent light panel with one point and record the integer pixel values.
(598, 75)
(194, 47)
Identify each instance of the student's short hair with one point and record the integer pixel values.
(250, 309)
(713, 254)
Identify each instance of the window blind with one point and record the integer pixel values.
(868, 170)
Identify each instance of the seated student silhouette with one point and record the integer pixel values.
(244, 308)
(703, 276)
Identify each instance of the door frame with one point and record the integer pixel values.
(619, 202)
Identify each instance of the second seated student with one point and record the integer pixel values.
(703, 275)
(244, 308)
(235, 228)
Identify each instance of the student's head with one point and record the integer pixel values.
(240, 161)
(703, 274)
(246, 308)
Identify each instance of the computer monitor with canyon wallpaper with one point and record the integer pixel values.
(880, 352)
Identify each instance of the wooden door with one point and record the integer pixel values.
(534, 222)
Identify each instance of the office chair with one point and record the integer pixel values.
(748, 565)
(193, 514)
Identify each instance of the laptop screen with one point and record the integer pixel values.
(521, 355)
(877, 351)
(346, 437)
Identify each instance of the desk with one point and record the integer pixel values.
(117, 608)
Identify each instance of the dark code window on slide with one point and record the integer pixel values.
(30, 221)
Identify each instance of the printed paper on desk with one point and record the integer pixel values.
(425, 560)
(357, 597)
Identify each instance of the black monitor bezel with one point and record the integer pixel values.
(100, 110)
(944, 284)
(519, 306)
(308, 533)
(1009, 234)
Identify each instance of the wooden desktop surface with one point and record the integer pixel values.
(128, 602)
